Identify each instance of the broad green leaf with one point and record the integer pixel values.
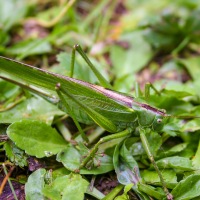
(172, 151)
(11, 12)
(35, 185)
(188, 188)
(178, 92)
(67, 187)
(122, 84)
(125, 174)
(172, 32)
(7, 90)
(122, 176)
(30, 47)
(189, 151)
(48, 14)
(70, 157)
(151, 191)
(139, 53)
(95, 193)
(151, 177)
(175, 162)
(14, 154)
(137, 149)
(60, 172)
(34, 108)
(127, 157)
(155, 140)
(172, 127)
(191, 126)
(36, 138)
(192, 65)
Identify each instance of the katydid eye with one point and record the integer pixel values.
(159, 121)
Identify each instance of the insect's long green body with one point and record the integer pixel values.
(123, 110)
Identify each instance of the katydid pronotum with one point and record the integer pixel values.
(115, 112)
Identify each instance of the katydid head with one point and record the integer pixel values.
(151, 117)
(159, 122)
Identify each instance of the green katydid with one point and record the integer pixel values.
(87, 103)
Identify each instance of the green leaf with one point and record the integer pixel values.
(172, 127)
(151, 191)
(35, 185)
(151, 177)
(11, 12)
(125, 174)
(14, 154)
(194, 70)
(155, 140)
(172, 151)
(34, 108)
(49, 14)
(129, 145)
(36, 138)
(123, 83)
(187, 188)
(70, 157)
(29, 47)
(139, 53)
(67, 187)
(176, 162)
(168, 33)
(60, 172)
(127, 157)
(7, 90)
(191, 126)
(178, 91)
(136, 149)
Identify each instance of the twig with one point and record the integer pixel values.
(8, 174)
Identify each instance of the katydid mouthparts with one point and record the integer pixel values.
(88, 103)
